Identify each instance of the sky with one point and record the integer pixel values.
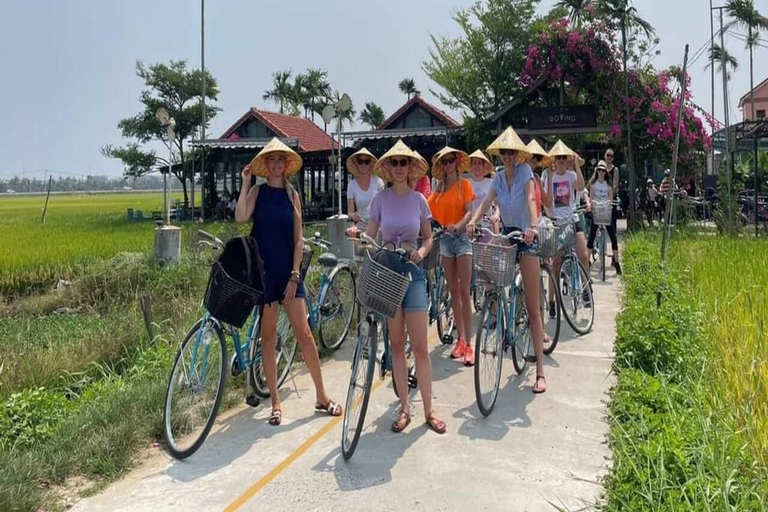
(68, 66)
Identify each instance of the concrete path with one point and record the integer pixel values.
(534, 453)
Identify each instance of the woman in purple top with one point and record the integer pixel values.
(401, 214)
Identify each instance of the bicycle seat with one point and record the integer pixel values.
(328, 259)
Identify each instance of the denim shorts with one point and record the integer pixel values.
(454, 246)
(522, 248)
(416, 299)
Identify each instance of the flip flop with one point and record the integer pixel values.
(276, 418)
(398, 426)
(539, 377)
(333, 409)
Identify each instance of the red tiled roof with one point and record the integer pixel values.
(442, 116)
(311, 137)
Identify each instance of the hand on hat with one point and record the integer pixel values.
(246, 174)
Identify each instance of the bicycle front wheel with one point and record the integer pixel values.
(522, 342)
(337, 305)
(194, 389)
(285, 353)
(446, 324)
(576, 296)
(489, 354)
(359, 391)
(602, 253)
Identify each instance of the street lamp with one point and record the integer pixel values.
(170, 134)
(337, 110)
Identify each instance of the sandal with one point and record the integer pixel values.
(276, 418)
(333, 409)
(436, 423)
(536, 390)
(402, 422)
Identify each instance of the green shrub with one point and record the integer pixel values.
(29, 417)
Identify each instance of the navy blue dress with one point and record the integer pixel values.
(272, 228)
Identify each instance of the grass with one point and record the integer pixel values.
(678, 431)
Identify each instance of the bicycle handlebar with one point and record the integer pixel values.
(318, 241)
(366, 240)
(517, 235)
(210, 240)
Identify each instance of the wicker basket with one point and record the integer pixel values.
(227, 299)
(381, 289)
(494, 264)
(566, 235)
(601, 213)
(547, 240)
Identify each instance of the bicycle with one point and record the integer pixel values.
(601, 217)
(574, 284)
(330, 311)
(440, 304)
(504, 322)
(381, 293)
(198, 404)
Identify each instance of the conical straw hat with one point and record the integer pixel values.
(508, 140)
(535, 148)
(462, 162)
(352, 161)
(560, 149)
(489, 168)
(400, 150)
(293, 161)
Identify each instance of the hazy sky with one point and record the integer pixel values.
(68, 66)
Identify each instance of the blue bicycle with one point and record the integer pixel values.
(197, 381)
(504, 322)
(440, 304)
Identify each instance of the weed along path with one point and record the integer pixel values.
(535, 452)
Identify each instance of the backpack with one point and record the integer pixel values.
(241, 260)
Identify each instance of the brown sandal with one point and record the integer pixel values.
(276, 418)
(540, 391)
(402, 422)
(436, 423)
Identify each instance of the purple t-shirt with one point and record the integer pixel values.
(399, 217)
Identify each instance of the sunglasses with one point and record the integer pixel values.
(601, 170)
(403, 162)
(507, 152)
(561, 157)
(364, 162)
(609, 155)
(538, 158)
(448, 160)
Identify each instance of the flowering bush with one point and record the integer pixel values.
(584, 66)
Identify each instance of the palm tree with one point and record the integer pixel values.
(628, 19)
(408, 86)
(281, 91)
(372, 115)
(743, 13)
(723, 58)
(577, 9)
(317, 88)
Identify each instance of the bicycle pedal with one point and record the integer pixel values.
(529, 359)
(252, 400)
(447, 339)
(413, 383)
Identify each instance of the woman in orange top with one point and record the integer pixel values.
(451, 205)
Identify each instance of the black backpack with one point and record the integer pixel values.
(241, 260)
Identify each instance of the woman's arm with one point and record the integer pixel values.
(247, 201)
(352, 211)
(532, 230)
(487, 202)
(579, 183)
(426, 242)
(298, 235)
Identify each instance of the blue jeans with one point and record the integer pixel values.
(522, 248)
(454, 246)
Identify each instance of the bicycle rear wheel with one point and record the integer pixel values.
(194, 389)
(522, 341)
(446, 324)
(576, 296)
(489, 354)
(359, 391)
(549, 290)
(285, 352)
(602, 253)
(337, 305)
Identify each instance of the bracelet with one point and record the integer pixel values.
(295, 275)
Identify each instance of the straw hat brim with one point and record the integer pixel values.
(560, 149)
(352, 161)
(462, 162)
(381, 169)
(510, 140)
(293, 161)
(487, 164)
(536, 150)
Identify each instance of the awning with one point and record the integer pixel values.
(441, 131)
(259, 143)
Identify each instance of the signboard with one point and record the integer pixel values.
(582, 116)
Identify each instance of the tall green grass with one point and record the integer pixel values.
(676, 431)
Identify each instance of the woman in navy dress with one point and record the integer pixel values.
(276, 212)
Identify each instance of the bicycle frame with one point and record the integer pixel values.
(241, 353)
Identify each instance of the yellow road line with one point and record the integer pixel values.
(298, 452)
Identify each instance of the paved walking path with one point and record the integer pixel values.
(533, 453)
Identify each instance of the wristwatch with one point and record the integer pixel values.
(295, 275)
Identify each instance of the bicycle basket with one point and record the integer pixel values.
(494, 264)
(566, 235)
(306, 259)
(547, 239)
(432, 259)
(227, 299)
(601, 213)
(381, 289)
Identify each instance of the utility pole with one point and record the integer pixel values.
(726, 118)
(753, 118)
(202, 147)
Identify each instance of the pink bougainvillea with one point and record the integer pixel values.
(584, 64)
